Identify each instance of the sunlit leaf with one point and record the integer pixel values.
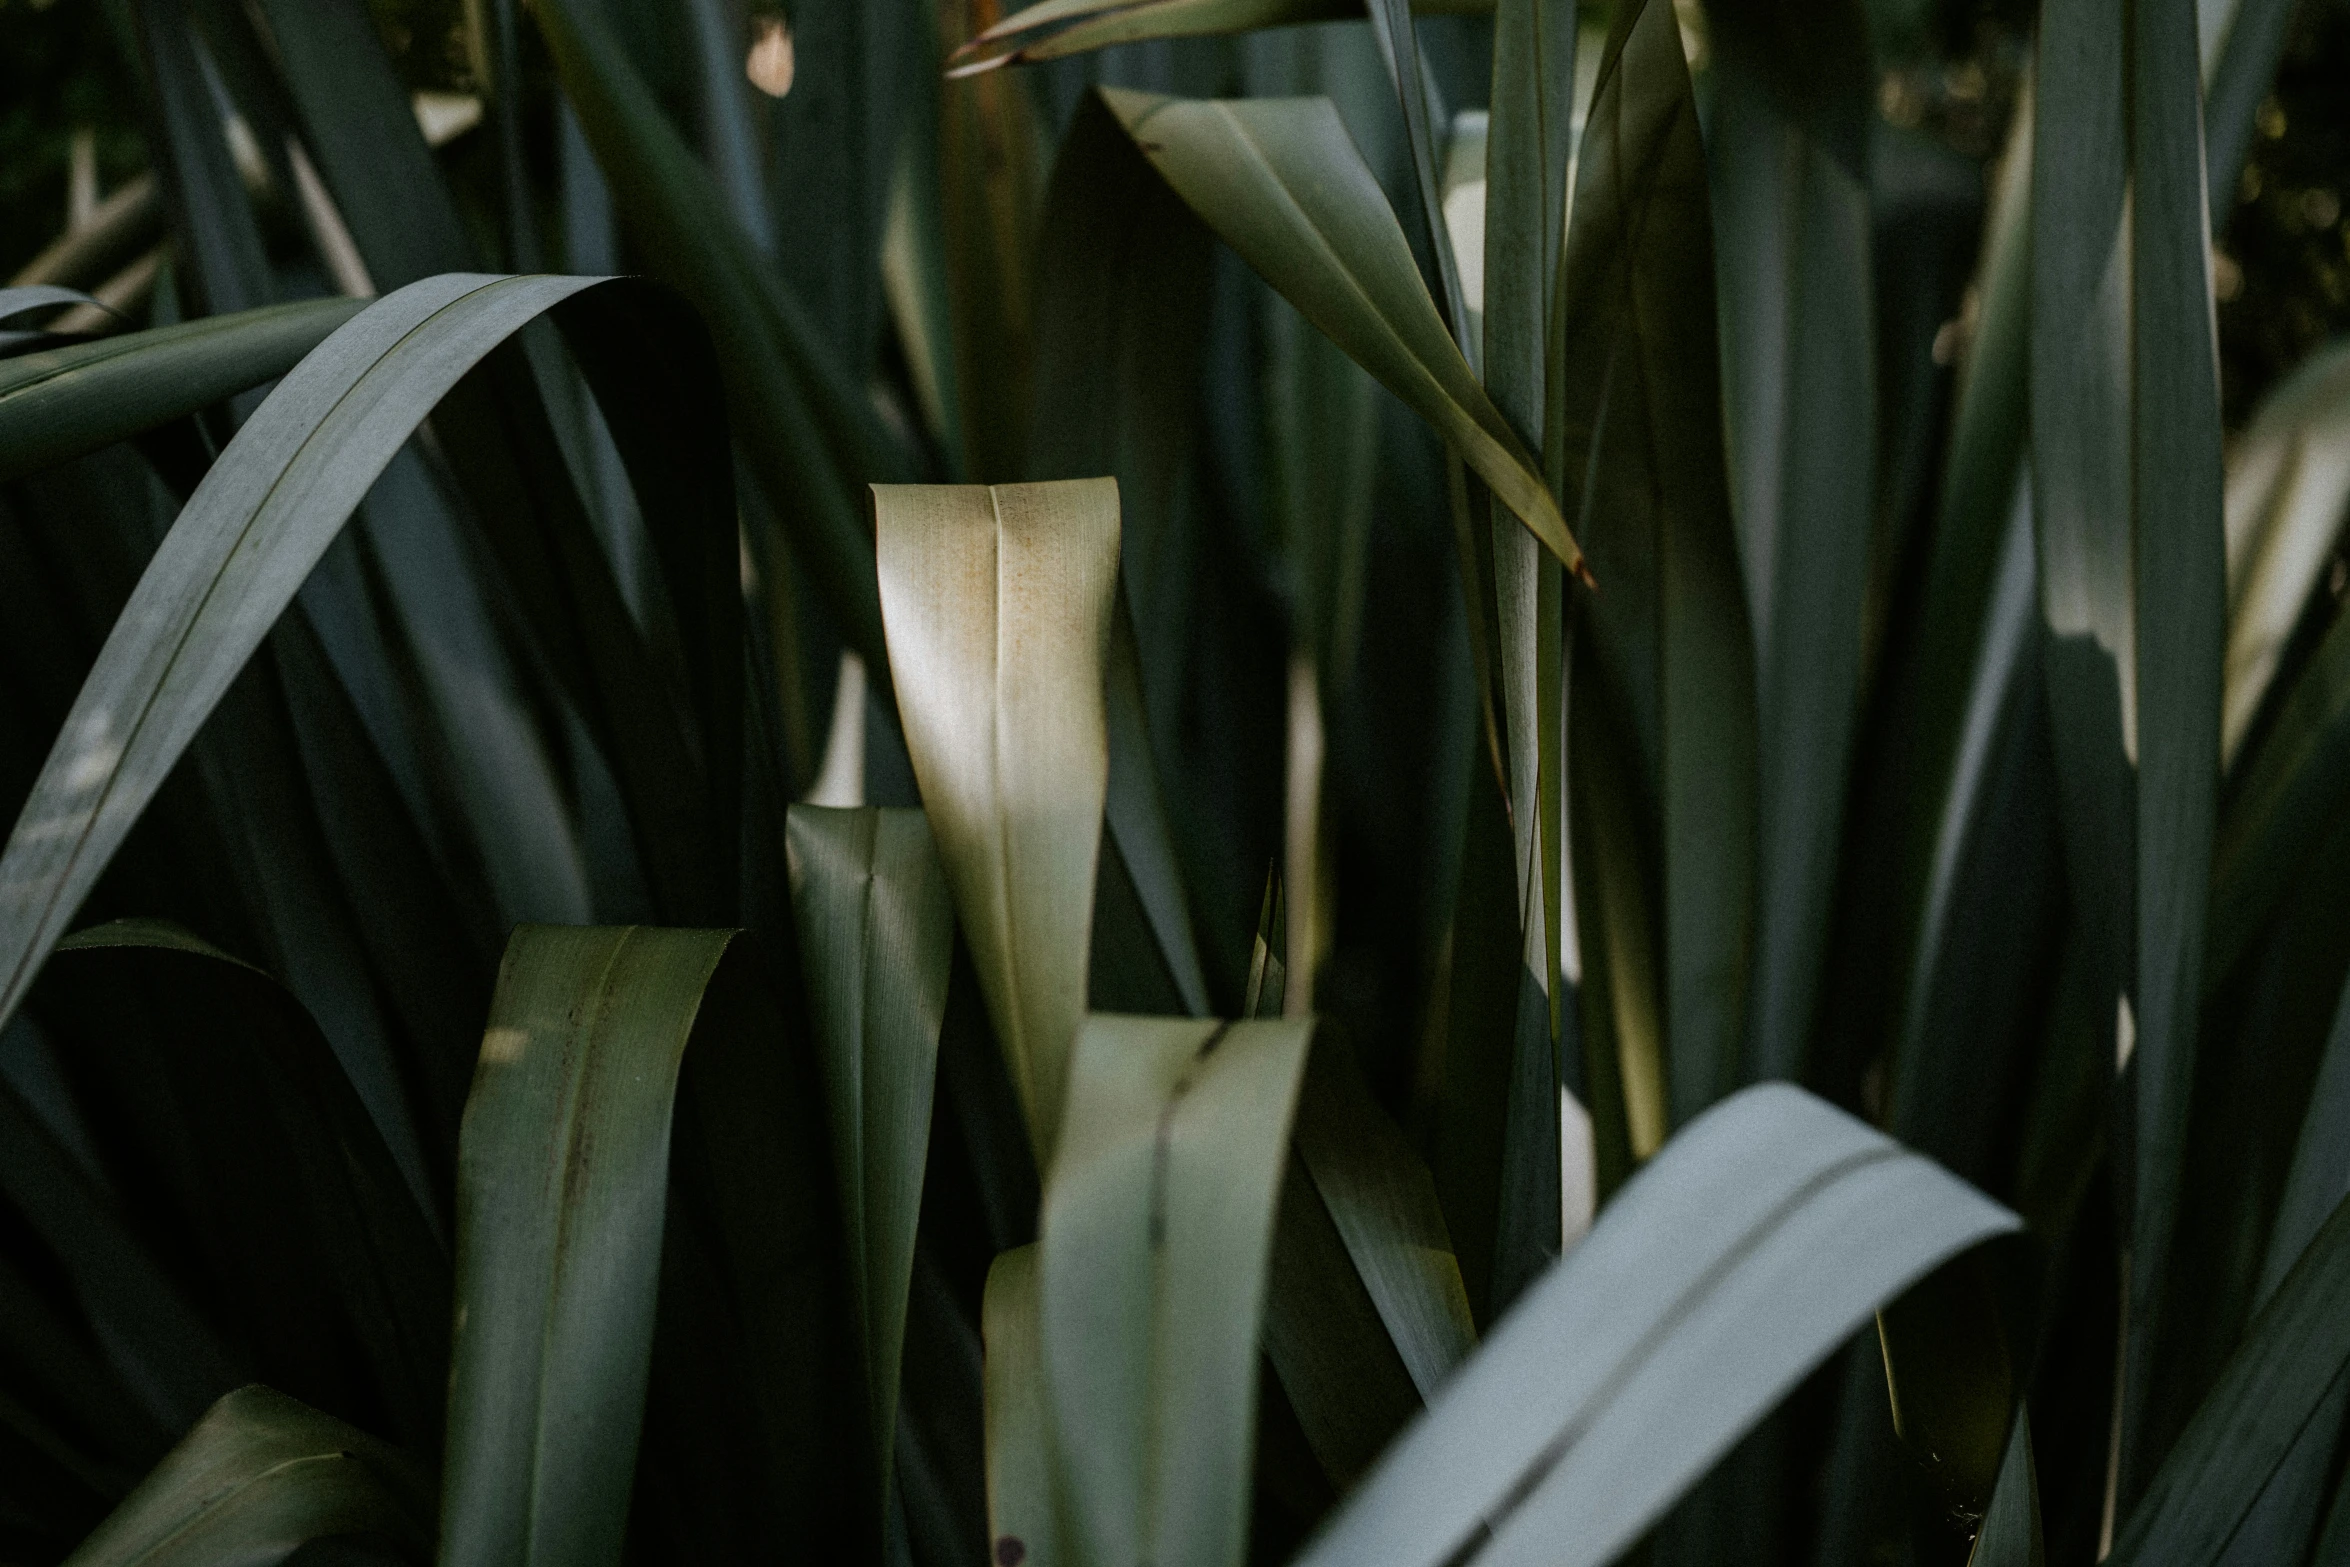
(997, 602)
(1158, 1221)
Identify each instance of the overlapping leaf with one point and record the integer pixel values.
(257, 1478)
(1766, 1232)
(869, 903)
(1158, 1221)
(1283, 185)
(998, 603)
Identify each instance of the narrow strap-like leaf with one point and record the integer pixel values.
(260, 1475)
(27, 298)
(1637, 439)
(65, 402)
(1761, 1237)
(2010, 1535)
(1787, 156)
(1023, 1501)
(563, 1171)
(2181, 591)
(876, 934)
(1157, 1225)
(249, 536)
(2289, 1364)
(1283, 184)
(997, 602)
(810, 433)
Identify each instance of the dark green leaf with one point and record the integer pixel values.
(67, 401)
(875, 933)
(2010, 1536)
(259, 1476)
(1635, 417)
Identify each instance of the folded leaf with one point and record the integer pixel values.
(260, 1476)
(591, 1178)
(61, 403)
(1158, 1221)
(1753, 1245)
(997, 602)
(1283, 184)
(869, 904)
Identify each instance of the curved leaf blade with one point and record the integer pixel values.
(997, 602)
(62, 403)
(263, 516)
(1056, 29)
(260, 1475)
(1281, 181)
(1746, 1251)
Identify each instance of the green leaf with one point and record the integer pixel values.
(287, 1216)
(62, 403)
(1055, 29)
(362, 131)
(1383, 1204)
(1527, 147)
(2283, 797)
(1123, 305)
(876, 935)
(258, 1477)
(1157, 1226)
(1634, 410)
(2288, 483)
(1282, 183)
(2285, 1371)
(2126, 458)
(2291, 1504)
(2010, 1536)
(1788, 149)
(1754, 1244)
(578, 1203)
(998, 605)
(808, 433)
(1023, 1499)
(261, 519)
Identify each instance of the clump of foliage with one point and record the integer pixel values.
(1172, 781)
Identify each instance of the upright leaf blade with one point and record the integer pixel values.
(564, 1177)
(2010, 1536)
(1157, 1225)
(1635, 424)
(998, 602)
(1023, 1501)
(876, 934)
